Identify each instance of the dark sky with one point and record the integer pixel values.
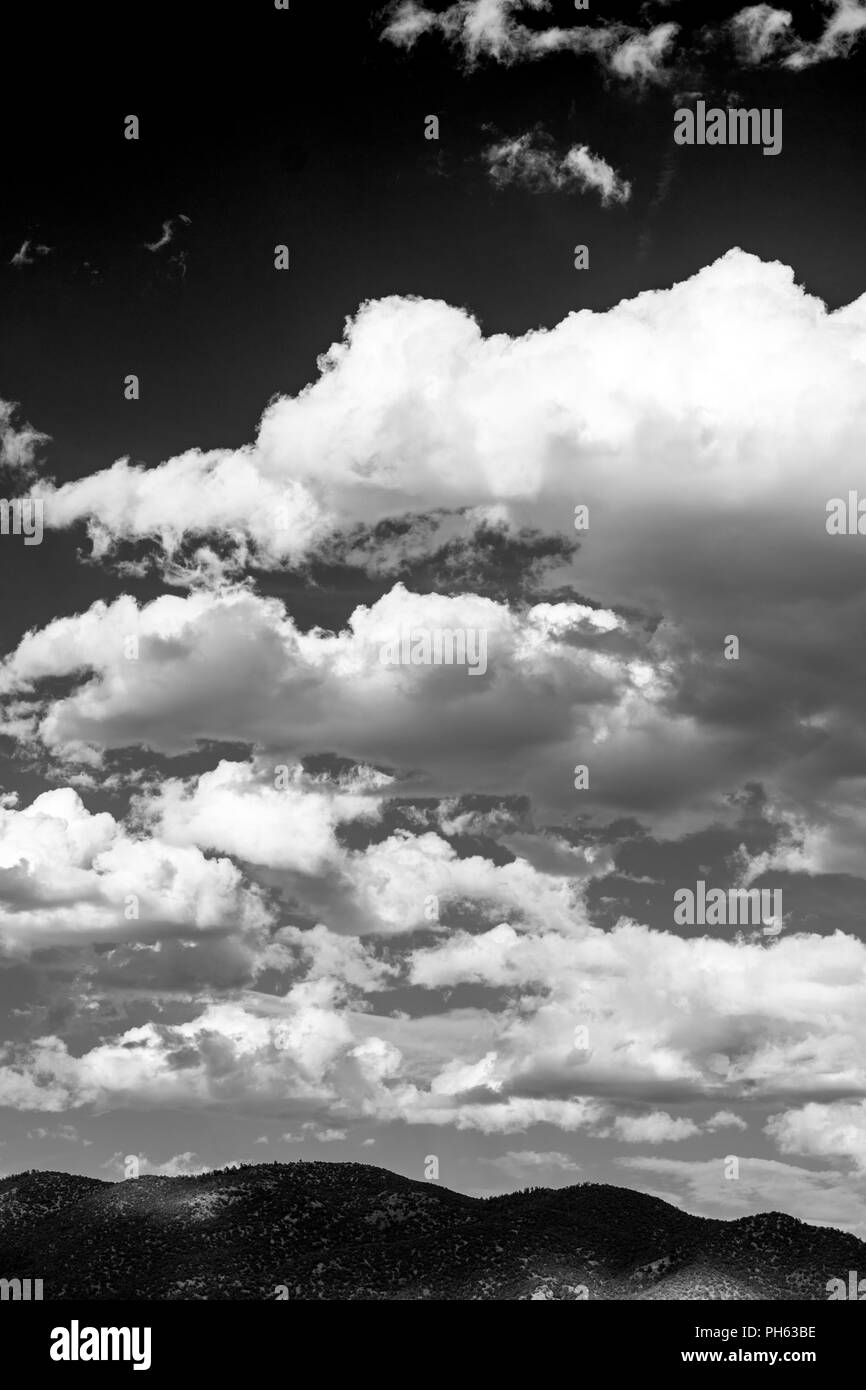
(303, 127)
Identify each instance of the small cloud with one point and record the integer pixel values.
(521, 1162)
(68, 1133)
(168, 232)
(656, 1128)
(410, 20)
(726, 1119)
(28, 252)
(185, 1165)
(310, 1130)
(19, 451)
(262, 1139)
(759, 31)
(530, 160)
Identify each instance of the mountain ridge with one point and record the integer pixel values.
(322, 1230)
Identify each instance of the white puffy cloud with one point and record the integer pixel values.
(233, 666)
(835, 1130)
(655, 1128)
(733, 398)
(227, 1053)
(393, 885)
(725, 1119)
(69, 877)
(274, 816)
(179, 1165)
(733, 394)
(403, 882)
(662, 1016)
(696, 1021)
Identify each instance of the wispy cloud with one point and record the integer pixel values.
(28, 253)
(519, 1163)
(759, 32)
(68, 1133)
(310, 1130)
(168, 233)
(764, 36)
(531, 161)
(489, 29)
(842, 32)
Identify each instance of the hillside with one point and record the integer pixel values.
(352, 1231)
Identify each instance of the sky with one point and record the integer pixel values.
(268, 894)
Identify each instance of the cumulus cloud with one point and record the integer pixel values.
(655, 1128)
(279, 817)
(753, 1020)
(725, 1119)
(733, 394)
(67, 876)
(415, 410)
(232, 666)
(527, 160)
(836, 1130)
(425, 951)
(664, 1019)
(183, 1165)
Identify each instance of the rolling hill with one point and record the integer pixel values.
(353, 1231)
